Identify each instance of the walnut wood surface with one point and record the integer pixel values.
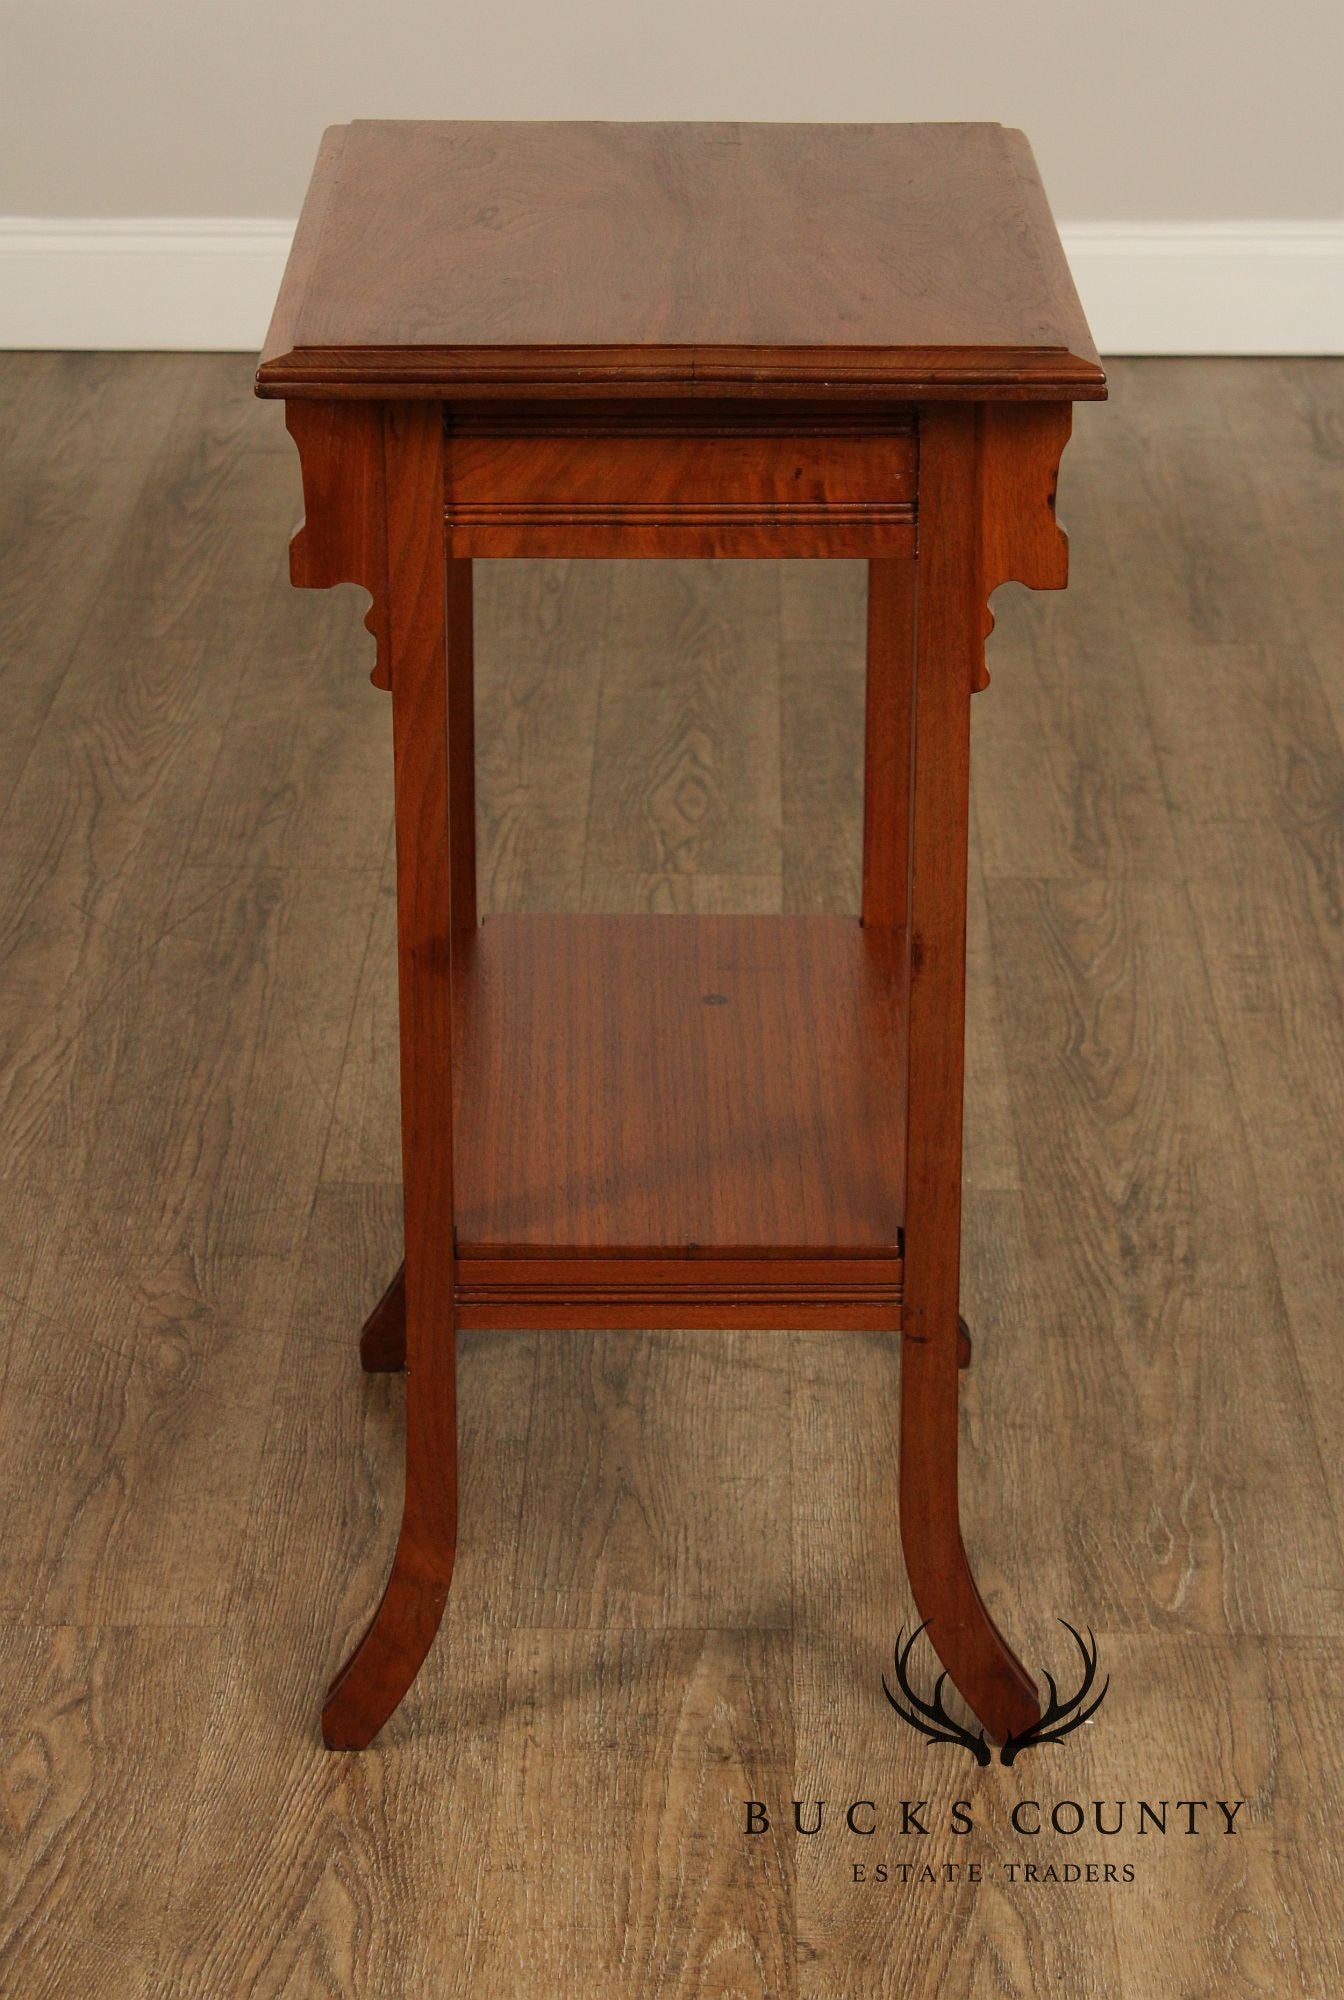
(948, 640)
(1021, 541)
(678, 1123)
(679, 1086)
(342, 537)
(642, 1292)
(827, 1291)
(656, 488)
(908, 260)
(382, 1338)
(422, 637)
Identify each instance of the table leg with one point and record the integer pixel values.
(420, 634)
(950, 627)
(382, 1338)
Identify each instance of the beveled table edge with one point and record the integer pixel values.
(904, 374)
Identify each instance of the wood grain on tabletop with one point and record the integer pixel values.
(532, 256)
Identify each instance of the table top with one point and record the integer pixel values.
(558, 260)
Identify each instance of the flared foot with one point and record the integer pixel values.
(389, 1656)
(980, 1662)
(982, 1665)
(387, 1659)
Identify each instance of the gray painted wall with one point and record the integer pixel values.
(1158, 110)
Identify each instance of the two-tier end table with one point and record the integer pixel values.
(597, 340)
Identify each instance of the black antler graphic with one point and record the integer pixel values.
(937, 1724)
(1059, 1719)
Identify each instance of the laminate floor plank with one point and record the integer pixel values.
(659, 1505)
(177, 1265)
(679, 1580)
(613, 892)
(1249, 746)
(541, 633)
(74, 408)
(26, 381)
(626, 1758)
(79, 452)
(131, 976)
(989, 1136)
(823, 613)
(687, 772)
(98, 825)
(1277, 983)
(825, 601)
(100, 1731)
(1197, 559)
(821, 752)
(20, 1246)
(1065, 782)
(364, 1137)
(1265, 1714)
(302, 777)
(138, 1379)
(1061, 734)
(1287, 421)
(1142, 1205)
(361, 1875)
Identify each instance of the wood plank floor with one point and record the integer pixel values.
(679, 1578)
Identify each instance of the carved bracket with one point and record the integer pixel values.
(343, 535)
(1021, 445)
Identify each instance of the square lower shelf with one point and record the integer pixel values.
(679, 1121)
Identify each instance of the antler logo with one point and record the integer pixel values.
(1057, 1720)
(930, 1718)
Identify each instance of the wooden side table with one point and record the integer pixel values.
(681, 340)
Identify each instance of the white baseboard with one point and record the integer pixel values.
(1211, 287)
(209, 283)
(156, 281)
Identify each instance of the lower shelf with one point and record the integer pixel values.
(679, 1121)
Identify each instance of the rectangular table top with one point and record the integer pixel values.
(555, 260)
